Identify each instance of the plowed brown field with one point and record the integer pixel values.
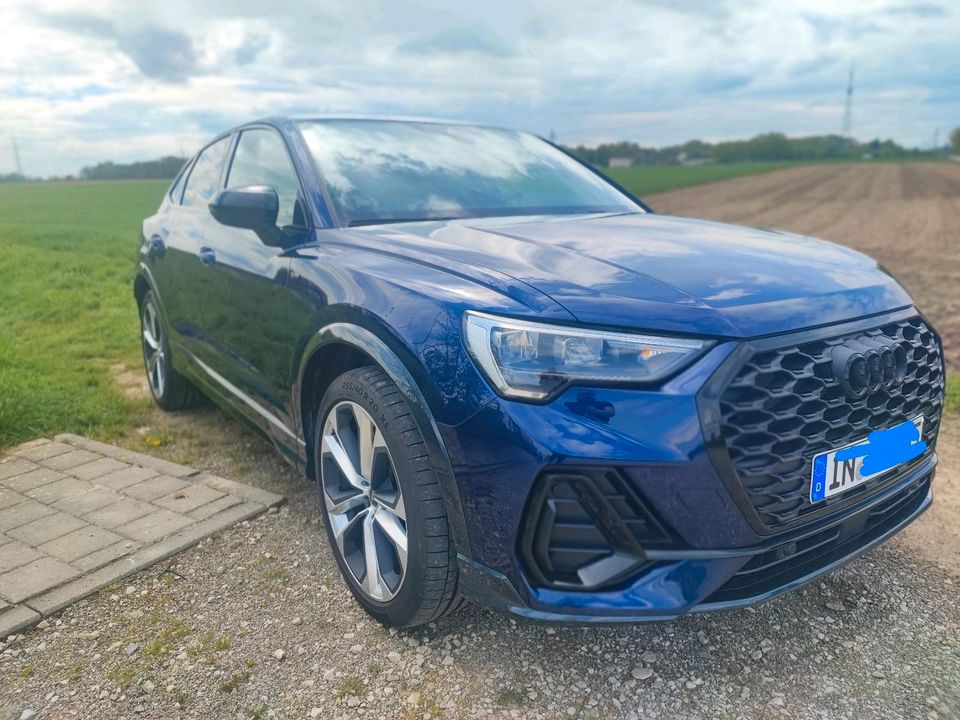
(906, 215)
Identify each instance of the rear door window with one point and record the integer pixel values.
(204, 180)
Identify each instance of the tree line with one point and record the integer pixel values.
(765, 147)
(166, 168)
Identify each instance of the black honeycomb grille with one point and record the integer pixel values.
(784, 407)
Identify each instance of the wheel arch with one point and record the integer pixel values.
(342, 346)
(141, 287)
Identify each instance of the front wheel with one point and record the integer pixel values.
(380, 495)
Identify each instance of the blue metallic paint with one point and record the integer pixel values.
(397, 293)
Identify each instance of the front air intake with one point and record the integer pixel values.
(587, 529)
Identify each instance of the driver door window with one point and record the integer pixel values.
(261, 158)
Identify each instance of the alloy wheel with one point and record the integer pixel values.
(153, 349)
(363, 501)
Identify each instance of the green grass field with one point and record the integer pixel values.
(66, 261)
(648, 180)
(67, 254)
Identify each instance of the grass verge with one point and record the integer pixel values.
(67, 255)
(953, 395)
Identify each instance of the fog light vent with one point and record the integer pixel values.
(586, 529)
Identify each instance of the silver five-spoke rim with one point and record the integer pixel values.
(363, 501)
(153, 352)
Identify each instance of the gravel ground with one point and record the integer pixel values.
(256, 623)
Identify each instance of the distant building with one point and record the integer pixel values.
(685, 159)
(620, 162)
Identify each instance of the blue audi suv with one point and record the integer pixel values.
(511, 381)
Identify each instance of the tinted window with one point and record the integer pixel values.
(261, 159)
(204, 179)
(387, 170)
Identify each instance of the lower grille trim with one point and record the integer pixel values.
(766, 572)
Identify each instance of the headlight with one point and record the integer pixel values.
(531, 360)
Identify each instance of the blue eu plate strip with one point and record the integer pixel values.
(819, 488)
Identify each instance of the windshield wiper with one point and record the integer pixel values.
(384, 221)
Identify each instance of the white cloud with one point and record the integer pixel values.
(84, 82)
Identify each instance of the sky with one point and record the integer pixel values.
(104, 80)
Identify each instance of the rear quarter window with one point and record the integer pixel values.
(176, 190)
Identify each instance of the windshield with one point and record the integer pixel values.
(390, 171)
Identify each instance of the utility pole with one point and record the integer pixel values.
(16, 157)
(848, 112)
(936, 139)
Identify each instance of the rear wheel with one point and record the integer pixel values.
(170, 389)
(380, 496)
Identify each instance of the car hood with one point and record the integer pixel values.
(657, 272)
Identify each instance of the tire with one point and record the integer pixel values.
(401, 490)
(170, 389)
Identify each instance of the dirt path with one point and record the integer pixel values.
(907, 216)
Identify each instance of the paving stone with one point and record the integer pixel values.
(205, 511)
(46, 528)
(134, 458)
(88, 501)
(70, 459)
(76, 515)
(28, 580)
(247, 492)
(33, 479)
(155, 487)
(44, 450)
(121, 512)
(105, 556)
(188, 498)
(151, 528)
(76, 544)
(130, 475)
(95, 469)
(14, 554)
(52, 492)
(22, 514)
(15, 466)
(9, 498)
(15, 619)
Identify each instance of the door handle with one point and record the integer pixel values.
(207, 256)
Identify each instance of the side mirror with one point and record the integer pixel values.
(253, 207)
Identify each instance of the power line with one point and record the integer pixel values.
(848, 112)
(16, 157)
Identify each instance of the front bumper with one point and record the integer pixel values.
(663, 444)
(697, 581)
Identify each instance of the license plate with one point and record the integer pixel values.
(832, 476)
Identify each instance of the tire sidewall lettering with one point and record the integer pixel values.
(371, 403)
